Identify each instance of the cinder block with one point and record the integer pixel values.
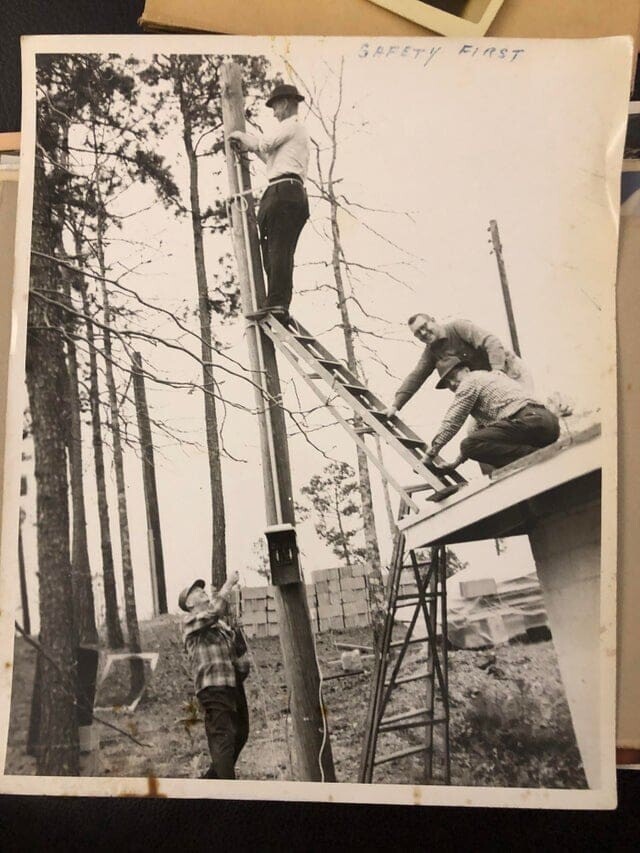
(324, 625)
(346, 572)
(360, 570)
(323, 598)
(249, 630)
(271, 593)
(259, 617)
(351, 608)
(321, 586)
(330, 610)
(337, 622)
(325, 575)
(272, 630)
(477, 588)
(362, 620)
(352, 621)
(261, 630)
(252, 592)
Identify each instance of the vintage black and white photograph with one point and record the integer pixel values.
(310, 468)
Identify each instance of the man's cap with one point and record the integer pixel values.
(445, 366)
(182, 598)
(284, 90)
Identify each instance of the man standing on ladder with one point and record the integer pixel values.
(475, 347)
(284, 207)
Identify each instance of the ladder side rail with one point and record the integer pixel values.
(430, 613)
(374, 713)
(445, 659)
(432, 634)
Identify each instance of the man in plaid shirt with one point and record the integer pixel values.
(218, 671)
(511, 422)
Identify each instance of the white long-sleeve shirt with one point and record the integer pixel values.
(284, 150)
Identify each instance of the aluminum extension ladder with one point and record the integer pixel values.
(301, 348)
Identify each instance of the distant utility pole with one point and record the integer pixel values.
(312, 744)
(156, 558)
(497, 247)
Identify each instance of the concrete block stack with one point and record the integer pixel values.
(342, 598)
(254, 611)
(337, 598)
(259, 614)
(355, 596)
(329, 599)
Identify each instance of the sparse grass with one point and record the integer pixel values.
(510, 724)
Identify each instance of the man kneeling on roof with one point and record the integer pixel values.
(219, 665)
(511, 422)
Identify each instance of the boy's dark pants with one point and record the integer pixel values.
(283, 211)
(226, 722)
(512, 438)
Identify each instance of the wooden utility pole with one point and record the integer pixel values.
(156, 559)
(497, 247)
(312, 745)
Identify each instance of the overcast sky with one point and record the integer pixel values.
(443, 141)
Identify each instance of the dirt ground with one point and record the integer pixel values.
(510, 724)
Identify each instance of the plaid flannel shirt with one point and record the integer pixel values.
(488, 396)
(209, 643)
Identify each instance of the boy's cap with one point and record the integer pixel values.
(182, 598)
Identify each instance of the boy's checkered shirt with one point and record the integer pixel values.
(209, 645)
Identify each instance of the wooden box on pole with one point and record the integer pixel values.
(314, 759)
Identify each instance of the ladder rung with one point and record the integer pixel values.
(414, 750)
(408, 678)
(405, 715)
(441, 494)
(359, 389)
(412, 442)
(328, 362)
(397, 727)
(300, 337)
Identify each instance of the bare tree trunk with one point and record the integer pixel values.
(115, 638)
(218, 525)
(385, 489)
(58, 752)
(133, 630)
(343, 538)
(80, 567)
(376, 589)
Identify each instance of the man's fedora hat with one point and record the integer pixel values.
(445, 366)
(284, 90)
(182, 598)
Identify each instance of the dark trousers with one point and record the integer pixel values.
(512, 438)
(283, 211)
(226, 722)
